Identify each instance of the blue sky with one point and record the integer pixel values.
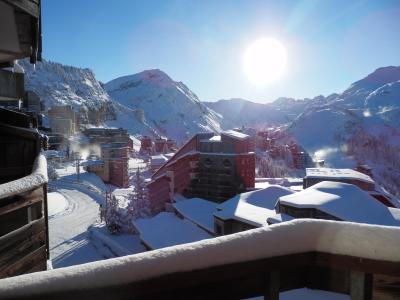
(330, 44)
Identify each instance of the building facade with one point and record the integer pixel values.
(24, 243)
(108, 135)
(113, 166)
(207, 166)
(62, 119)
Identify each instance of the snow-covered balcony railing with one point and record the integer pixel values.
(336, 256)
(23, 222)
(36, 179)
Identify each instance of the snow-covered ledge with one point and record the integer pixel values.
(37, 178)
(379, 243)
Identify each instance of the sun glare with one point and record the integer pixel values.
(264, 61)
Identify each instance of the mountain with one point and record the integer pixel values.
(360, 125)
(168, 106)
(238, 112)
(57, 84)
(371, 101)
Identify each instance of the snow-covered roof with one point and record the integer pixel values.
(169, 155)
(298, 236)
(92, 162)
(279, 218)
(37, 178)
(337, 174)
(53, 153)
(197, 210)
(166, 229)
(213, 139)
(235, 134)
(344, 201)
(216, 138)
(158, 159)
(252, 207)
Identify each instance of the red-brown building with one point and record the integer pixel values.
(146, 145)
(99, 135)
(207, 166)
(113, 166)
(160, 145)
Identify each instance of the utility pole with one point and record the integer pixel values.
(77, 164)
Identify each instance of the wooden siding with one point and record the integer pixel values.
(23, 212)
(262, 277)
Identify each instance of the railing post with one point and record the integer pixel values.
(273, 286)
(360, 286)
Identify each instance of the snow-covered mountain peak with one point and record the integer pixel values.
(169, 106)
(154, 77)
(376, 79)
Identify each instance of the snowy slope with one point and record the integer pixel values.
(323, 132)
(237, 112)
(384, 103)
(168, 106)
(361, 125)
(240, 112)
(370, 103)
(57, 84)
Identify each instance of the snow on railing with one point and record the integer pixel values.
(379, 243)
(37, 178)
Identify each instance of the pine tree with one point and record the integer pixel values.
(113, 215)
(51, 170)
(138, 202)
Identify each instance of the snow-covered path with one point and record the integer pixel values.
(70, 242)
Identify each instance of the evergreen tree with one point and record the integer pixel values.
(138, 202)
(113, 215)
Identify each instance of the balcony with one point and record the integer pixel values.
(23, 201)
(327, 255)
(12, 86)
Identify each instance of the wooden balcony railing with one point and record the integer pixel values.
(23, 222)
(335, 256)
(11, 85)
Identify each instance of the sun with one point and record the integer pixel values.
(264, 61)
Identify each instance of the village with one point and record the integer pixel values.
(153, 193)
(76, 193)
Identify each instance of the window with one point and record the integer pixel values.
(208, 162)
(226, 163)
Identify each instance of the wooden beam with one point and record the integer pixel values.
(34, 260)
(273, 286)
(360, 286)
(20, 202)
(239, 280)
(46, 219)
(18, 130)
(29, 6)
(23, 247)
(345, 262)
(12, 85)
(21, 233)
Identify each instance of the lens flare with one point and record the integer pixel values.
(264, 61)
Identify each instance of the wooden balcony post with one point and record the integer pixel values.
(360, 286)
(273, 286)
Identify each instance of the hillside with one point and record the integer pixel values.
(57, 84)
(169, 107)
(361, 125)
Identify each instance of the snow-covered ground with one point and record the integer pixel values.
(73, 208)
(166, 229)
(56, 203)
(70, 242)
